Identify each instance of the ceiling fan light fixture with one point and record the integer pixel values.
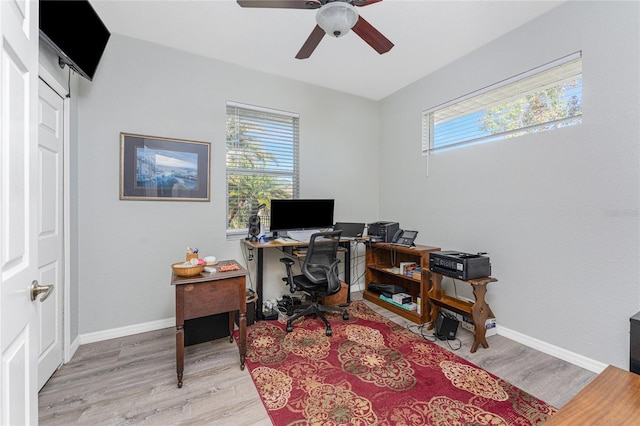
(337, 18)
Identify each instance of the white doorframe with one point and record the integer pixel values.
(66, 220)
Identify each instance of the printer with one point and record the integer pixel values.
(382, 232)
(464, 266)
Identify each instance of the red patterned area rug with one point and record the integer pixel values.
(372, 371)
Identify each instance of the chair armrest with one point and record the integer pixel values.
(288, 263)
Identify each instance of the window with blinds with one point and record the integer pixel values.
(262, 162)
(545, 98)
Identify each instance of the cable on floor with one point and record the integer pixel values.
(419, 330)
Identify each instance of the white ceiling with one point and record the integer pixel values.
(427, 34)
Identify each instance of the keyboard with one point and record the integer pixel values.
(304, 236)
(284, 240)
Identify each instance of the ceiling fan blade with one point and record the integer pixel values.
(312, 42)
(371, 36)
(282, 4)
(361, 3)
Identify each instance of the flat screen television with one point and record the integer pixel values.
(291, 214)
(75, 32)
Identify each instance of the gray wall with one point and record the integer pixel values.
(126, 247)
(557, 211)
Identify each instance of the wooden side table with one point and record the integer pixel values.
(210, 293)
(479, 311)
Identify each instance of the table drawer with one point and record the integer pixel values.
(212, 297)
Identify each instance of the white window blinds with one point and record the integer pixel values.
(262, 161)
(545, 98)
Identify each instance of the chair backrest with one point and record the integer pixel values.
(323, 251)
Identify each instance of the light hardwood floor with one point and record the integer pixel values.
(132, 380)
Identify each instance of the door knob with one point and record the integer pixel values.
(35, 289)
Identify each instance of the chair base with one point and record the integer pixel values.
(318, 310)
(289, 305)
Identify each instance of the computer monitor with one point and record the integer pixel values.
(292, 214)
(75, 32)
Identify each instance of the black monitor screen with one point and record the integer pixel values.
(301, 214)
(75, 32)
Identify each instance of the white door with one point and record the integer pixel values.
(50, 233)
(19, 182)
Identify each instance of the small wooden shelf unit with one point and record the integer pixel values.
(383, 256)
(479, 311)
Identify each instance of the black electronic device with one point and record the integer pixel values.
(75, 32)
(292, 214)
(382, 231)
(254, 228)
(254, 224)
(350, 229)
(634, 344)
(464, 266)
(446, 326)
(386, 290)
(404, 238)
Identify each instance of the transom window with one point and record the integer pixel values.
(262, 162)
(545, 98)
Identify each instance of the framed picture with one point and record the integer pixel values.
(153, 168)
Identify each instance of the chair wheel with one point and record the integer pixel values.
(345, 316)
(289, 327)
(329, 332)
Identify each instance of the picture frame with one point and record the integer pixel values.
(156, 168)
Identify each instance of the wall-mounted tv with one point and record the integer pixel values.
(291, 214)
(75, 32)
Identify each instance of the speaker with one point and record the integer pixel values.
(254, 228)
(446, 326)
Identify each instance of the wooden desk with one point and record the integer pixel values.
(479, 310)
(611, 399)
(207, 294)
(344, 243)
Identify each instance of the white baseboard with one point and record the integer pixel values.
(563, 354)
(125, 331)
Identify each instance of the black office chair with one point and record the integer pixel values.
(319, 277)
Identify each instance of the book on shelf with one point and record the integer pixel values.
(417, 274)
(401, 298)
(408, 306)
(407, 268)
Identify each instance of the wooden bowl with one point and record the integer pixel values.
(186, 271)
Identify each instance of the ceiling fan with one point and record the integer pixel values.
(334, 17)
